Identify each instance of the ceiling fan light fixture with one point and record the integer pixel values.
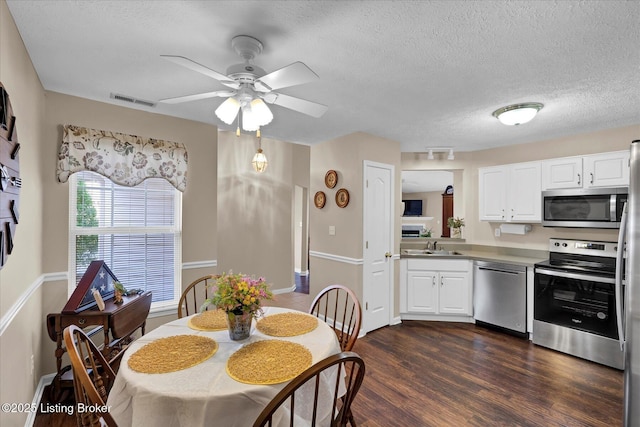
(228, 110)
(261, 111)
(517, 114)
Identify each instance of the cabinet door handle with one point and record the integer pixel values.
(442, 281)
(591, 182)
(433, 281)
(579, 182)
(502, 217)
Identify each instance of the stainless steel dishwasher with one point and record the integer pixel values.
(500, 295)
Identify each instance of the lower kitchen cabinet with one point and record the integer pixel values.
(436, 289)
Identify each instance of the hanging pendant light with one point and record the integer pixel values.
(259, 161)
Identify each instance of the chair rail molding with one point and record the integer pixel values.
(338, 258)
(199, 264)
(8, 317)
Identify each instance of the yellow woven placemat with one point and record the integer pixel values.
(287, 324)
(268, 362)
(211, 320)
(172, 354)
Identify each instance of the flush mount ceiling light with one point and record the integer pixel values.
(517, 114)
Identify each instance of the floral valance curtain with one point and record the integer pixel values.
(124, 159)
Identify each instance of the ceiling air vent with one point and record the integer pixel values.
(133, 100)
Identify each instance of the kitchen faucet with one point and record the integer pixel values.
(435, 245)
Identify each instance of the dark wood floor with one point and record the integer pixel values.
(452, 374)
(448, 374)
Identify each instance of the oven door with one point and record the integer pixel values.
(579, 301)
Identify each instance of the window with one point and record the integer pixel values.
(135, 230)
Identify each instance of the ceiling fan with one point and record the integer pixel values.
(251, 87)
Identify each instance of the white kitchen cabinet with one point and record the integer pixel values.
(493, 193)
(440, 289)
(562, 173)
(422, 291)
(606, 169)
(593, 171)
(511, 193)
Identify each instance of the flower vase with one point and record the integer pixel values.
(457, 233)
(239, 324)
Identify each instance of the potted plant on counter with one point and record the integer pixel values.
(456, 224)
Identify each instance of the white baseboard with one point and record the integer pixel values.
(37, 397)
(292, 288)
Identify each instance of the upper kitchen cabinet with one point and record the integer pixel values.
(511, 193)
(596, 170)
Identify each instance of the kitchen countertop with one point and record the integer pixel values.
(525, 257)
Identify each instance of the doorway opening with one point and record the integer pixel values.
(301, 239)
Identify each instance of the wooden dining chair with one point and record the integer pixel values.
(349, 365)
(339, 307)
(92, 378)
(195, 294)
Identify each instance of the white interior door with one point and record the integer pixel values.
(377, 287)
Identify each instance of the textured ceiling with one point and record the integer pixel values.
(424, 73)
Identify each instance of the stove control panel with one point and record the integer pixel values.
(583, 247)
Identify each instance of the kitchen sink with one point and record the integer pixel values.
(429, 252)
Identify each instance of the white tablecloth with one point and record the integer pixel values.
(203, 394)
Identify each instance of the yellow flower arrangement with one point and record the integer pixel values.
(239, 293)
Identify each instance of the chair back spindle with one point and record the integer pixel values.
(93, 377)
(294, 398)
(339, 307)
(194, 295)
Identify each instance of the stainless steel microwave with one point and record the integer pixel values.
(584, 208)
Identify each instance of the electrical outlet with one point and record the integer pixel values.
(332, 230)
(496, 232)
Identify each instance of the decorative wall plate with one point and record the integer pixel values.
(342, 197)
(320, 199)
(331, 178)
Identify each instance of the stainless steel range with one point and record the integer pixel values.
(575, 301)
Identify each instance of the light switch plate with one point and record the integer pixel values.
(496, 232)
(332, 230)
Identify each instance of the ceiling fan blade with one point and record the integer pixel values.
(291, 75)
(192, 65)
(198, 96)
(309, 108)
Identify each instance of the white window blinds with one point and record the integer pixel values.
(135, 230)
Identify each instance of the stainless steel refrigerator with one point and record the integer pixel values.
(628, 296)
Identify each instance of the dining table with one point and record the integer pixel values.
(205, 394)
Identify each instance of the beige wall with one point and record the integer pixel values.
(346, 155)
(256, 211)
(21, 331)
(198, 201)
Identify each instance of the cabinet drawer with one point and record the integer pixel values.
(438, 264)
